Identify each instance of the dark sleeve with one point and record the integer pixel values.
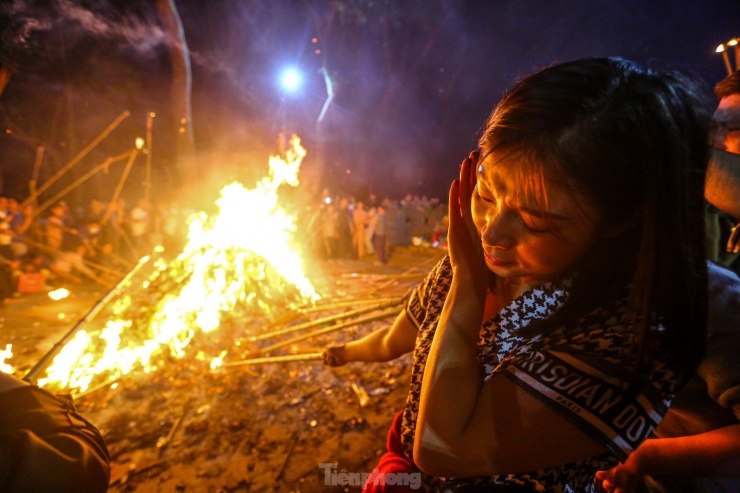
(45, 446)
(720, 367)
(417, 301)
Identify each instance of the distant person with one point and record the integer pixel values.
(56, 228)
(359, 220)
(345, 230)
(139, 227)
(381, 234)
(330, 231)
(370, 230)
(723, 179)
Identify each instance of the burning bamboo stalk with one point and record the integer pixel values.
(327, 330)
(721, 49)
(92, 390)
(47, 358)
(275, 359)
(325, 320)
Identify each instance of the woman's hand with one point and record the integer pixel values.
(334, 355)
(466, 251)
(620, 479)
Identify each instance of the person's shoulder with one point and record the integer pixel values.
(722, 279)
(723, 293)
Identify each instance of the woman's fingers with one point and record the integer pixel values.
(454, 203)
(473, 168)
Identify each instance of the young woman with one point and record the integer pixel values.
(572, 305)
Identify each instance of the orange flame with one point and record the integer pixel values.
(6, 354)
(249, 244)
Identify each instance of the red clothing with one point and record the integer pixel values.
(393, 461)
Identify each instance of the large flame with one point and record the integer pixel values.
(5, 354)
(245, 256)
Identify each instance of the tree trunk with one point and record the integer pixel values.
(180, 91)
(5, 74)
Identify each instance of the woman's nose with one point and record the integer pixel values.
(498, 231)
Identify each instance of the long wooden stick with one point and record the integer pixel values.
(119, 187)
(36, 170)
(343, 304)
(47, 358)
(77, 158)
(47, 248)
(333, 328)
(275, 359)
(326, 320)
(148, 178)
(81, 180)
(391, 281)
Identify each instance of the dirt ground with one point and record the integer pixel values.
(276, 427)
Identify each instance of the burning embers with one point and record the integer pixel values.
(242, 261)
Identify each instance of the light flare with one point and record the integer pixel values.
(59, 294)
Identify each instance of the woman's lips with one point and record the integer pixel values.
(495, 261)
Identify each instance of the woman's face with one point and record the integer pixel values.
(522, 237)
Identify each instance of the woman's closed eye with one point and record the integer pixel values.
(535, 225)
(483, 195)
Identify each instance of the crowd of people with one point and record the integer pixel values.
(43, 248)
(358, 229)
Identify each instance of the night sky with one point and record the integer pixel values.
(415, 79)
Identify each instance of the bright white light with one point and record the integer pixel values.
(291, 79)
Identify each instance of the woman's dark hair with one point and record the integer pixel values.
(634, 142)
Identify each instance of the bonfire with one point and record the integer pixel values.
(225, 272)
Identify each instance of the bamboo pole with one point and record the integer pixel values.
(96, 388)
(77, 158)
(36, 170)
(148, 177)
(333, 328)
(95, 265)
(326, 320)
(342, 304)
(81, 180)
(47, 358)
(391, 281)
(119, 187)
(275, 359)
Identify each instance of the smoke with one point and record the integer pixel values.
(105, 23)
